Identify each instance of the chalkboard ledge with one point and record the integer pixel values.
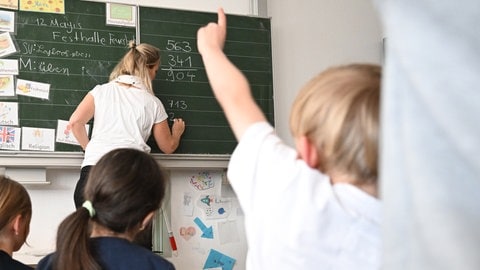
(73, 160)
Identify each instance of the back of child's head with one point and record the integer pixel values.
(14, 200)
(338, 111)
(122, 189)
(137, 61)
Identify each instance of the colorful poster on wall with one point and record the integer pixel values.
(48, 6)
(65, 135)
(7, 46)
(9, 138)
(7, 20)
(38, 139)
(121, 15)
(10, 4)
(9, 113)
(33, 89)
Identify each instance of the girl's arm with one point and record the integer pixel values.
(80, 117)
(168, 141)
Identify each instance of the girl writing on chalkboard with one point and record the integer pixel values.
(126, 112)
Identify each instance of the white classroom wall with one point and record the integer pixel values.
(307, 36)
(311, 35)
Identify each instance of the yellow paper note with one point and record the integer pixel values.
(49, 6)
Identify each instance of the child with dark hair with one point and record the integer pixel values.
(123, 191)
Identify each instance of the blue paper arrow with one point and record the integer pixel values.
(207, 232)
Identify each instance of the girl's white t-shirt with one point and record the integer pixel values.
(124, 117)
(294, 217)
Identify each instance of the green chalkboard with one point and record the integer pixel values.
(81, 50)
(182, 84)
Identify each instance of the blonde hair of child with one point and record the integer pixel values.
(137, 62)
(338, 111)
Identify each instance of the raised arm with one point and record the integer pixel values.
(229, 85)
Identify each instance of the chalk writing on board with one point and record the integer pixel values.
(179, 65)
(68, 25)
(177, 104)
(73, 32)
(91, 38)
(42, 66)
(42, 50)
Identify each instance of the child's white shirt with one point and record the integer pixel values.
(294, 217)
(123, 118)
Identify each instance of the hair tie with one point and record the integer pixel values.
(133, 45)
(88, 205)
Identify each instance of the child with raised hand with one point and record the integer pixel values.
(316, 206)
(123, 191)
(15, 216)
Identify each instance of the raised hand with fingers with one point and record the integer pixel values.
(212, 36)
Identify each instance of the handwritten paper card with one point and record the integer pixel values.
(121, 15)
(33, 89)
(7, 19)
(7, 88)
(6, 44)
(8, 113)
(202, 180)
(8, 67)
(66, 136)
(10, 4)
(38, 139)
(9, 138)
(214, 207)
(187, 204)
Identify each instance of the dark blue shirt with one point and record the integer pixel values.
(8, 263)
(117, 254)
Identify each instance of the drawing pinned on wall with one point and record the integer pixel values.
(207, 232)
(217, 259)
(202, 181)
(187, 232)
(9, 113)
(228, 232)
(9, 4)
(121, 15)
(64, 135)
(38, 139)
(187, 204)
(8, 67)
(33, 89)
(214, 207)
(7, 46)
(48, 6)
(7, 19)
(9, 138)
(7, 88)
